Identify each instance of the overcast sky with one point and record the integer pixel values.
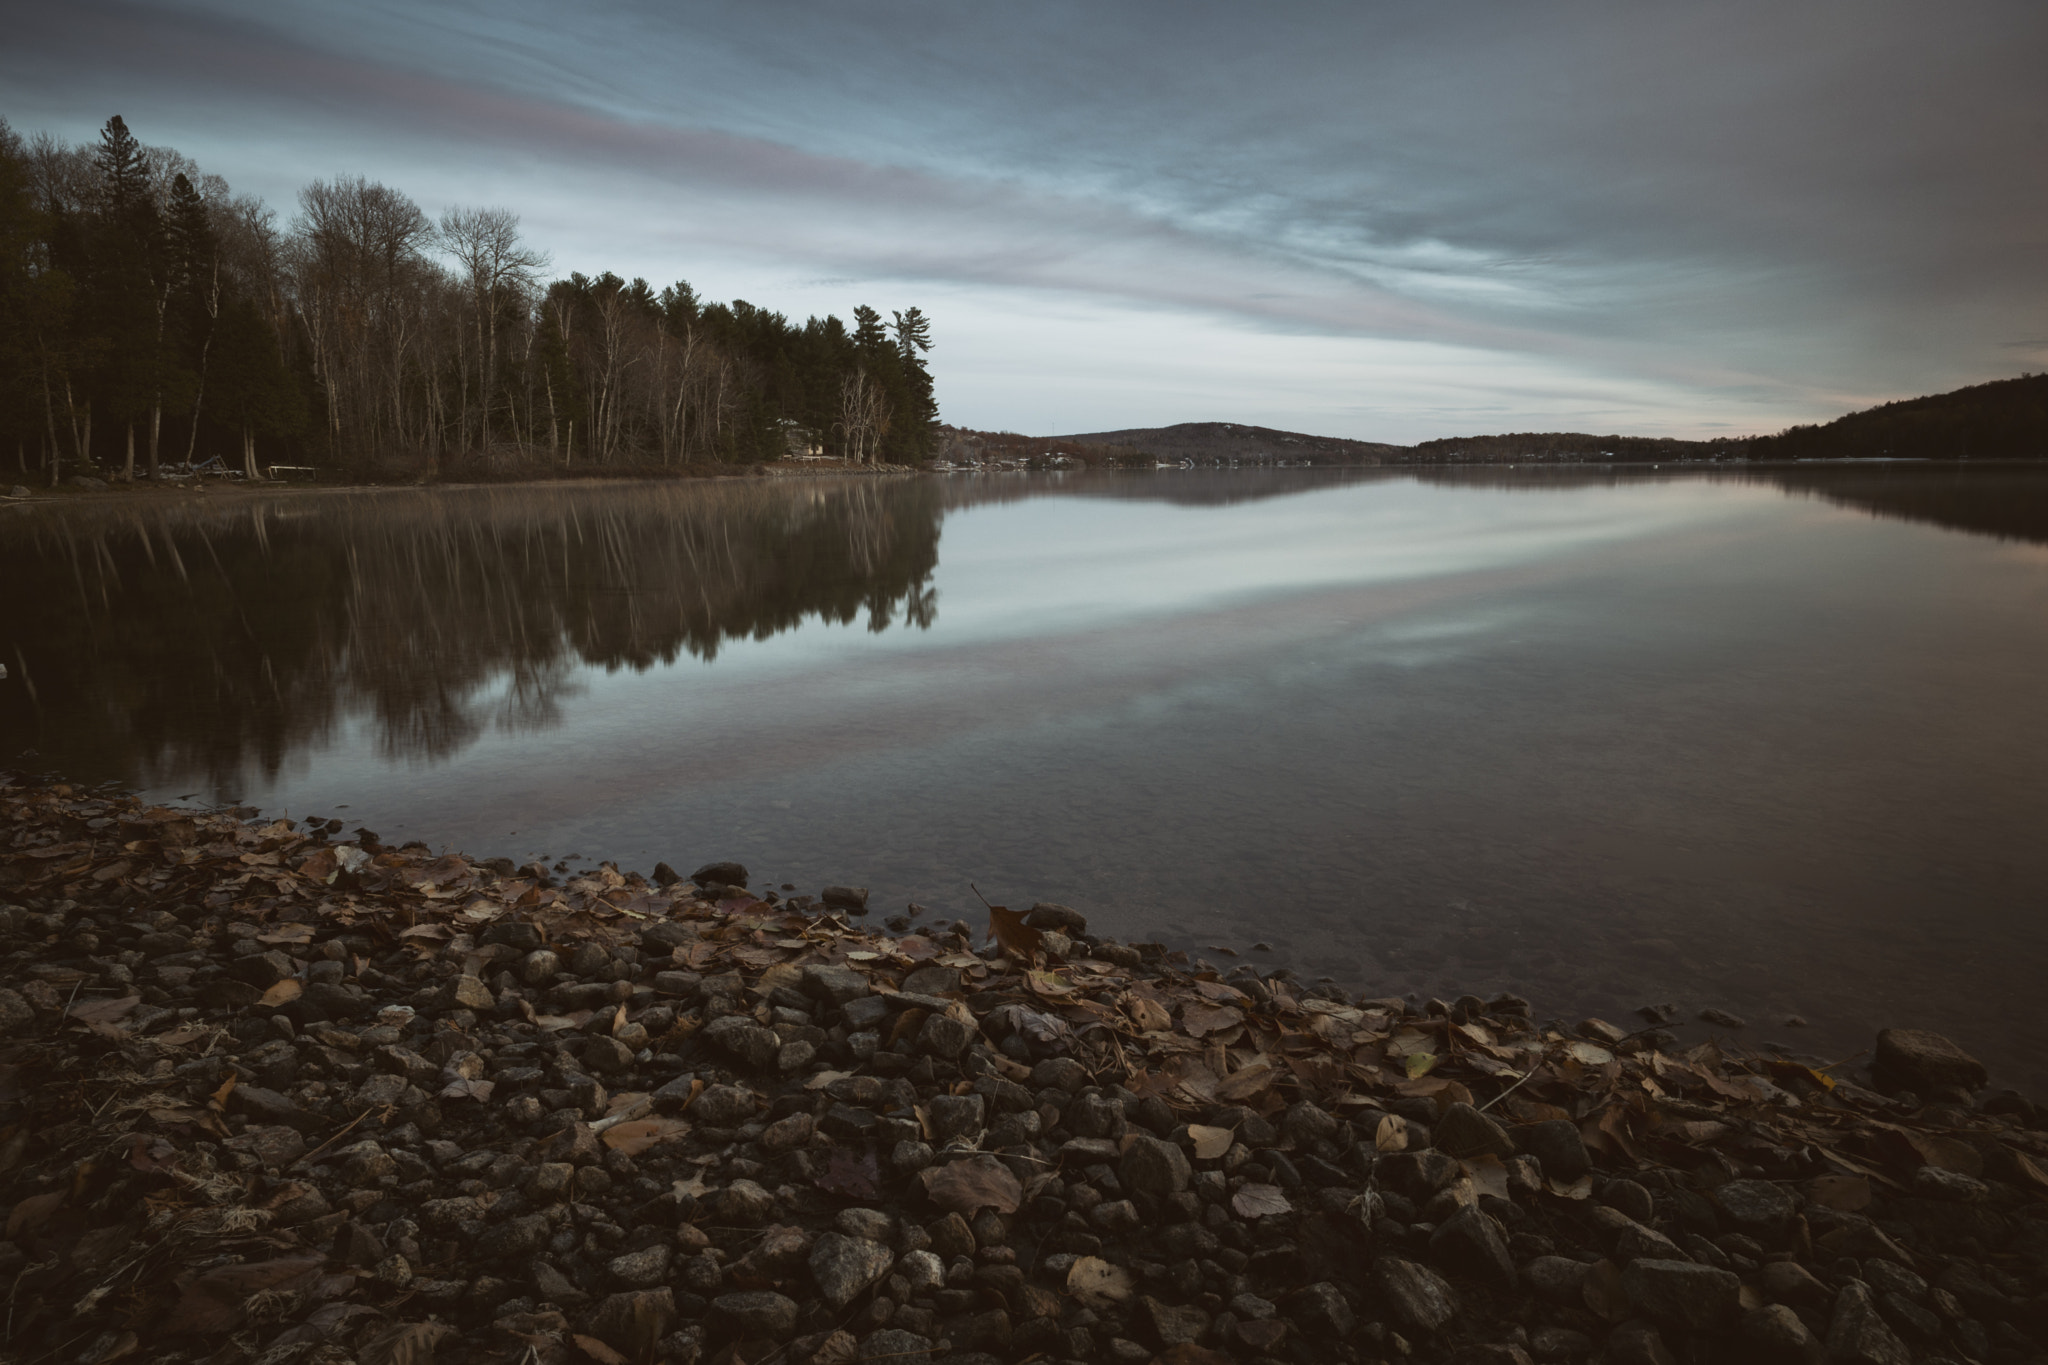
(1389, 221)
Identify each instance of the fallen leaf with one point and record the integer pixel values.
(405, 1343)
(1199, 1020)
(288, 933)
(841, 1348)
(637, 1135)
(104, 1011)
(1843, 1193)
(974, 1183)
(1420, 1064)
(1210, 1143)
(1149, 1015)
(1582, 1188)
(1586, 1054)
(1247, 1081)
(462, 1088)
(219, 1100)
(283, 992)
(214, 1302)
(1391, 1135)
(1259, 1201)
(1007, 927)
(1098, 1284)
(597, 1350)
(1488, 1175)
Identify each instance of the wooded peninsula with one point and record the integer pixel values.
(150, 316)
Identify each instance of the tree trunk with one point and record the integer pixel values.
(249, 454)
(156, 423)
(128, 467)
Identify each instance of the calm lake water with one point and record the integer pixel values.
(1772, 740)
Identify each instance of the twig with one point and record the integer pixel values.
(334, 1138)
(1527, 1076)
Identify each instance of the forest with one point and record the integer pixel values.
(151, 318)
(2006, 419)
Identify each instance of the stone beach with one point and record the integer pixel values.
(268, 1094)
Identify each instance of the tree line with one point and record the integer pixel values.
(2006, 419)
(150, 316)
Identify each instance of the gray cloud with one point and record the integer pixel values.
(1672, 218)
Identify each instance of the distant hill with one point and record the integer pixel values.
(2003, 420)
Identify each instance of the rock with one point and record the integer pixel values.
(1418, 1174)
(786, 1135)
(844, 1266)
(1492, 1353)
(757, 1314)
(931, 979)
(17, 1016)
(607, 1056)
(1857, 1335)
(1322, 1309)
(1636, 1342)
(895, 1346)
(957, 1116)
(665, 876)
(1757, 1207)
(1630, 1198)
(743, 1040)
(836, 985)
(1053, 915)
(1681, 1293)
(465, 993)
(1153, 1166)
(853, 898)
(1932, 1182)
(1637, 1242)
(721, 874)
(1559, 1343)
(1166, 1325)
(725, 1106)
(944, 1036)
(1923, 1062)
(641, 1269)
(1060, 1073)
(1465, 1132)
(1558, 1278)
(1414, 1293)
(1776, 1332)
(1557, 1145)
(1471, 1243)
(1791, 1282)
(1722, 1018)
(745, 1203)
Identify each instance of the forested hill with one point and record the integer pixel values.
(2003, 420)
(149, 316)
(1207, 442)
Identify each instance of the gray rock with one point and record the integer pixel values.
(897, 1347)
(944, 1036)
(758, 1314)
(722, 874)
(786, 1135)
(1682, 1294)
(1932, 1182)
(746, 1203)
(1321, 1309)
(465, 993)
(1559, 1343)
(1418, 1174)
(1060, 1073)
(957, 1116)
(1251, 1308)
(632, 1322)
(1471, 1243)
(931, 979)
(837, 985)
(924, 1271)
(725, 1106)
(1888, 1278)
(1790, 1282)
(744, 1040)
(17, 1016)
(1053, 915)
(1757, 1207)
(1776, 1332)
(1558, 1147)
(1638, 1243)
(869, 1224)
(1414, 1293)
(641, 1269)
(1153, 1166)
(844, 1266)
(1465, 1132)
(550, 1181)
(1923, 1062)
(853, 898)
(1557, 1278)
(607, 1056)
(1857, 1335)
(514, 1237)
(1630, 1198)
(1166, 1325)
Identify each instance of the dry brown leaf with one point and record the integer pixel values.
(214, 1302)
(283, 992)
(1210, 1143)
(1488, 1175)
(1844, 1193)
(597, 1350)
(1253, 1079)
(1391, 1135)
(1199, 1020)
(103, 1011)
(1098, 1284)
(1149, 1015)
(1582, 1188)
(1007, 927)
(972, 1184)
(1259, 1201)
(637, 1135)
(405, 1343)
(219, 1100)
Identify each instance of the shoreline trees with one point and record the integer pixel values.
(147, 313)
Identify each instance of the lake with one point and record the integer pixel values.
(1768, 740)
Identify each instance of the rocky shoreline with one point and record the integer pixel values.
(267, 1095)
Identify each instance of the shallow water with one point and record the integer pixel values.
(1769, 740)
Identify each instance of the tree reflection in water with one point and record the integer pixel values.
(212, 643)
